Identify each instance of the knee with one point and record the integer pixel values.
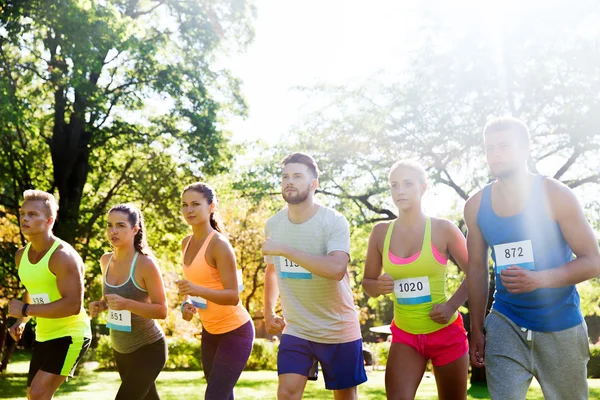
(285, 392)
(38, 392)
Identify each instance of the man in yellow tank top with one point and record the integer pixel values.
(52, 273)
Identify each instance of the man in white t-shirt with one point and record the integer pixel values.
(307, 251)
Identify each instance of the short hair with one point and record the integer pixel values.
(499, 124)
(302, 158)
(411, 165)
(48, 199)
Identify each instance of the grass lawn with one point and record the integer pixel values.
(190, 385)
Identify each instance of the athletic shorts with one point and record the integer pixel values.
(342, 364)
(441, 347)
(57, 356)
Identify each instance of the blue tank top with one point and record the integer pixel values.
(532, 240)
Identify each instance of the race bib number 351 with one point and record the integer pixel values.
(291, 270)
(412, 290)
(119, 320)
(515, 253)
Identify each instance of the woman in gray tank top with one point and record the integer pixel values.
(134, 296)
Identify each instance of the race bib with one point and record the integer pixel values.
(516, 253)
(119, 320)
(412, 290)
(291, 270)
(199, 302)
(40, 298)
(240, 280)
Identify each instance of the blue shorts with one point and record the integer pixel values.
(342, 364)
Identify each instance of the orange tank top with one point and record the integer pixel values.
(215, 318)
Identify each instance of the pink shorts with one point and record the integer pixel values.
(442, 347)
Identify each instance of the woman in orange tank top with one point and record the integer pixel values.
(211, 289)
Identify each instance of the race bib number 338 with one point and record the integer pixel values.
(412, 290)
(515, 253)
(40, 298)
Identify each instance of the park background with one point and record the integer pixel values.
(103, 102)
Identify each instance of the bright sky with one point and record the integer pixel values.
(308, 42)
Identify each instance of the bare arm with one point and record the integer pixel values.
(477, 266)
(331, 266)
(373, 264)
(153, 283)
(220, 253)
(578, 234)
(477, 280)
(67, 266)
(271, 290)
(457, 247)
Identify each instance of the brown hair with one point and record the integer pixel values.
(302, 158)
(48, 199)
(499, 124)
(211, 197)
(135, 218)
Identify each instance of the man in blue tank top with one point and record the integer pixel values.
(533, 225)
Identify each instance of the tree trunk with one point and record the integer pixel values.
(70, 159)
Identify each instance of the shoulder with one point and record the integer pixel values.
(560, 197)
(472, 206)
(146, 263)
(331, 216)
(65, 253)
(18, 255)
(380, 230)
(442, 225)
(105, 258)
(555, 188)
(185, 241)
(279, 215)
(220, 242)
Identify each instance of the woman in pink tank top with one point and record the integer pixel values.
(413, 251)
(211, 289)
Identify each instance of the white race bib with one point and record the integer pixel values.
(199, 302)
(40, 298)
(119, 320)
(515, 253)
(291, 270)
(240, 280)
(412, 290)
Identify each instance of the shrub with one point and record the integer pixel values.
(184, 354)
(263, 356)
(104, 354)
(594, 363)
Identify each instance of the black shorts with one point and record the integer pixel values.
(57, 356)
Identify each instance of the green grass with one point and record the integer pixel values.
(190, 385)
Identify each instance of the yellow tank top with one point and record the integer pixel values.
(418, 285)
(41, 286)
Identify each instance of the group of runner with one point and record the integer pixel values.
(532, 224)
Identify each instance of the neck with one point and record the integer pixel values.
(299, 213)
(411, 217)
(124, 253)
(516, 184)
(42, 241)
(201, 231)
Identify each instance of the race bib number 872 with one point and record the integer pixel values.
(515, 253)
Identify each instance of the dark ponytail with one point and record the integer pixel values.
(135, 218)
(211, 198)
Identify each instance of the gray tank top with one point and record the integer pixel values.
(142, 331)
